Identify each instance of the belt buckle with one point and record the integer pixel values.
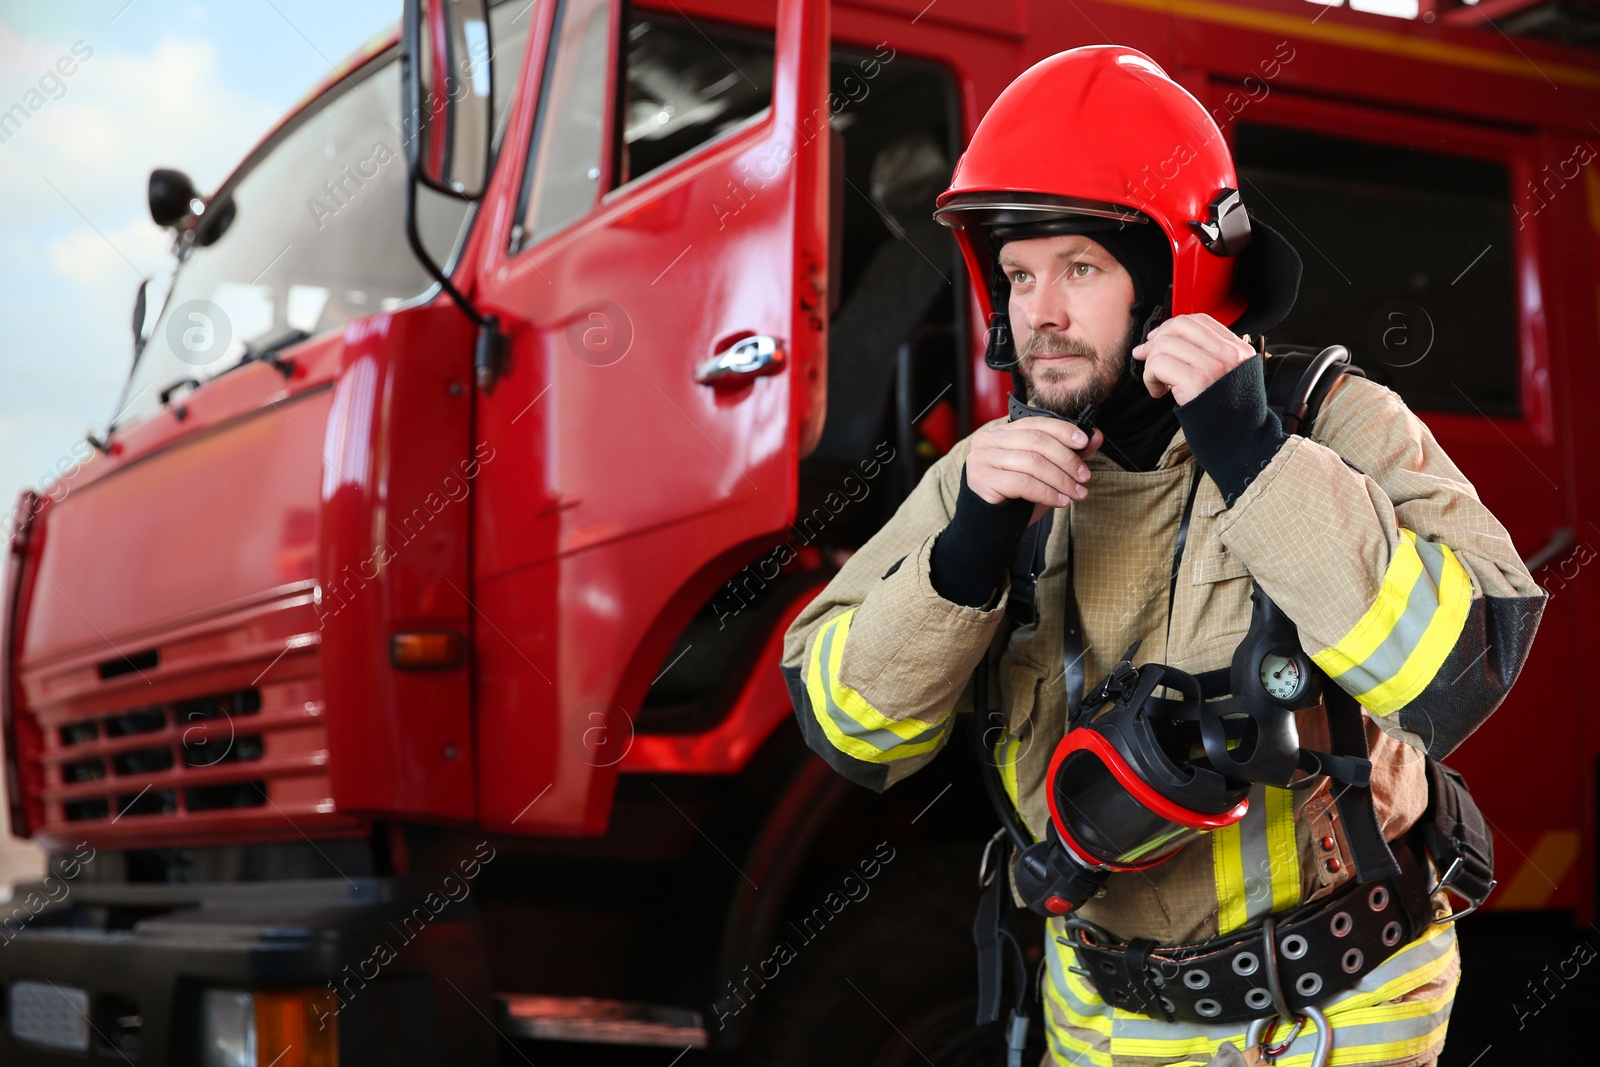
(1114, 686)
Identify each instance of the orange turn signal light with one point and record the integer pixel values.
(425, 649)
(301, 1028)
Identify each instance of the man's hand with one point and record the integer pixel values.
(1184, 355)
(1037, 458)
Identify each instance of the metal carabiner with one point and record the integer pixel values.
(987, 868)
(1261, 1029)
(1446, 882)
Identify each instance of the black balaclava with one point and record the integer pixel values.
(1137, 426)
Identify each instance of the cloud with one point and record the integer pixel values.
(79, 237)
(120, 116)
(108, 261)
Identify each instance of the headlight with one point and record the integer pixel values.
(297, 1028)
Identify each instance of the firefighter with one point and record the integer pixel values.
(1098, 212)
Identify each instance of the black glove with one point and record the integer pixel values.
(970, 557)
(1233, 433)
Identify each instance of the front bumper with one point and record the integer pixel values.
(406, 962)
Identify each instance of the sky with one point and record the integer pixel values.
(191, 84)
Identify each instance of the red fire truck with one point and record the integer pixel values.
(396, 682)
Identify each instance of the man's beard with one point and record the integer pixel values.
(1107, 367)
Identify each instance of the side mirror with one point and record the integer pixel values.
(216, 221)
(172, 197)
(446, 94)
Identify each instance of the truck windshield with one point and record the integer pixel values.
(317, 236)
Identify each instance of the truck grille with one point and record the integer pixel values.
(194, 757)
(148, 742)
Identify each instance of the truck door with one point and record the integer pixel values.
(1418, 259)
(662, 268)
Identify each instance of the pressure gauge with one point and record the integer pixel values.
(1281, 676)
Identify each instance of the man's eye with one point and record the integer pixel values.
(1081, 270)
(1019, 278)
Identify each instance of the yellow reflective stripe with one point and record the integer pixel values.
(1255, 862)
(1405, 567)
(1068, 1051)
(1395, 649)
(1404, 982)
(1283, 849)
(1078, 1051)
(1005, 754)
(853, 703)
(1455, 601)
(1100, 1024)
(1409, 1009)
(1227, 868)
(1006, 758)
(851, 724)
(1205, 1047)
(1382, 1052)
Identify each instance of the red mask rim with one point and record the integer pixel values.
(1087, 739)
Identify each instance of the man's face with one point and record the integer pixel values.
(1069, 318)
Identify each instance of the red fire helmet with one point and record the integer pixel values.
(1102, 132)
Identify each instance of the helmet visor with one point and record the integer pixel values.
(1002, 208)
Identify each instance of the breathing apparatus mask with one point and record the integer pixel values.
(1154, 757)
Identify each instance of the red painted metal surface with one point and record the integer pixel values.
(760, 707)
(399, 470)
(634, 489)
(300, 523)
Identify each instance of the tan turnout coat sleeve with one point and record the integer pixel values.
(878, 643)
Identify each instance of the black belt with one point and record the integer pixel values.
(1285, 965)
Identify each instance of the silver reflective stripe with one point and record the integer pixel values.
(1385, 661)
(1255, 855)
(882, 740)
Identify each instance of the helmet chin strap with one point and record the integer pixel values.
(1157, 316)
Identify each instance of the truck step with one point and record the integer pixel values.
(600, 1021)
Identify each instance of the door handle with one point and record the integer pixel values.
(736, 364)
(1559, 542)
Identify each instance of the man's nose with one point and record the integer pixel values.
(1045, 309)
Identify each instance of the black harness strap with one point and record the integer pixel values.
(1072, 650)
(1347, 737)
(1177, 554)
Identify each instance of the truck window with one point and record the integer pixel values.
(569, 130)
(685, 83)
(685, 87)
(1408, 261)
(317, 236)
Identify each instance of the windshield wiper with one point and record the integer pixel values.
(166, 394)
(267, 352)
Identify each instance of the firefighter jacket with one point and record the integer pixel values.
(1406, 592)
